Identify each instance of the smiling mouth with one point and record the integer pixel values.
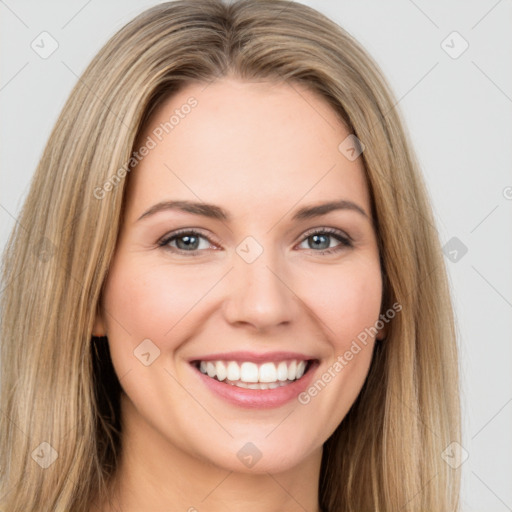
(250, 375)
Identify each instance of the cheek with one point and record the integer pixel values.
(348, 306)
(346, 300)
(144, 300)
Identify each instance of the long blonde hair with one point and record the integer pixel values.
(57, 387)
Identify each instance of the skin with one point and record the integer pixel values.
(261, 151)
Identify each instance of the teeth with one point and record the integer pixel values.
(300, 369)
(253, 376)
(221, 370)
(233, 371)
(282, 371)
(249, 372)
(268, 372)
(210, 369)
(292, 370)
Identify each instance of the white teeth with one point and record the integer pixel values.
(267, 375)
(292, 370)
(210, 369)
(268, 372)
(300, 369)
(221, 370)
(233, 371)
(282, 371)
(249, 372)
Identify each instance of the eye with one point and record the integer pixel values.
(190, 241)
(322, 238)
(186, 241)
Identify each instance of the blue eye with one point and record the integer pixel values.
(321, 239)
(186, 241)
(189, 241)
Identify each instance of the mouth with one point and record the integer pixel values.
(264, 375)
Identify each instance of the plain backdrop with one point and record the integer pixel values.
(456, 103)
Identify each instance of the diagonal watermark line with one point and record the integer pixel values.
(418, 285)
(217, 486)
(2, 290)
(419, 492)
(413, 87)
(510, 304)
(167, 167)
(117, 321)
(210, 82)
(492, 211)
(95, 505)
(75, 219)
(3, 3)
(287, 492)
(281, 422)
(318, 318)
(301, 198)
(503, 407)
(14, 76)
(298, 92)
(125, 374)
(76, 14)
(485, 15)
(95, 95)
(416, 414)
(196, 303)
(11, 281)
(199, 403)
(14, 423)
(492, 81)
(508, 508)
(424, 14)
(284, 8)
(12, 217)
(218, 76)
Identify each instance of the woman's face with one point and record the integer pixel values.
(247, 277)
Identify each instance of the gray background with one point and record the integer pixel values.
(457, 111)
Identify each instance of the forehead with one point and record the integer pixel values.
(254, 144)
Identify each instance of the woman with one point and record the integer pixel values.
(231, 285)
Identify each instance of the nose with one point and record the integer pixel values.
(260, 293)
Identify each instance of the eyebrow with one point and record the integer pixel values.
(216, 212)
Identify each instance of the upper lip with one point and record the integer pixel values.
(253, 356)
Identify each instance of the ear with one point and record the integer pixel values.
(98, 329)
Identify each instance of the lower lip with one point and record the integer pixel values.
(258, 398)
